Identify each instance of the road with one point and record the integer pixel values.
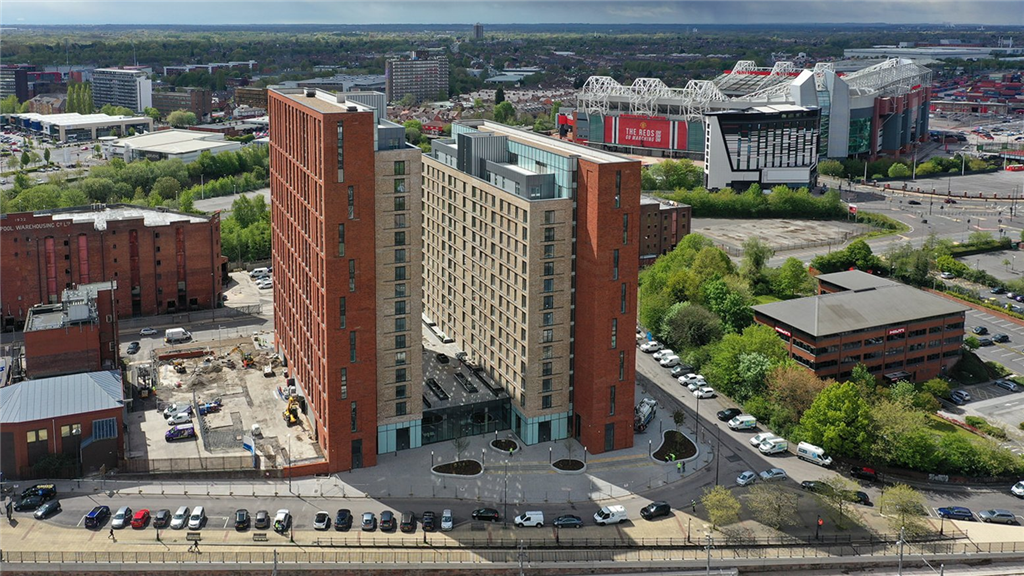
(223, 203)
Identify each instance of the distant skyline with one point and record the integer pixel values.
(463, 12)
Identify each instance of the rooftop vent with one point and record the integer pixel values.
(310, 93)
(352, 109)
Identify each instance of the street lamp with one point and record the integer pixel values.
(289, 463)
(431, 459)
(504, 516)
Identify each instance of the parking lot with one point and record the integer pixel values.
(779, 234)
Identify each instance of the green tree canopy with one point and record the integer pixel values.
(687, 325)
(839, 421)
(504, 113)
(181, 118)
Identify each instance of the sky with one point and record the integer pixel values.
(960, 12)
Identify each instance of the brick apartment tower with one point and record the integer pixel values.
(347, 270)
(531, 258)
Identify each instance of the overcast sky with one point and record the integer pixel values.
(961, 12)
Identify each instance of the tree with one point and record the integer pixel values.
(413, 136)
(151, 112)
(723, 508)
(792, 279)
(181, 118)
(414, 124)
(461, 443)
(903, 507)
(729, 305)
(187, 202)
(756, 254)
(9, 105)
(688, 325)
(838, 493)
(772, 507)
(504, 113)
(499, 95)
(723, 367)
(839, 420)
(794, 387)
(248, 210)
(407, 100)
(679, 418)
(832, 168)
(972, 343)
(899, 170)
(46, 155)
(25, 159)
(543, 124)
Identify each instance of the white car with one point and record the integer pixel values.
(663, 353)
(147, 332)
(745, 478)
(652, 346)
(447, 521)
(1018, 489)
(669, 361)
(322, 520)
(179, 418)
(197, 519)
(704, 392)
(758, 438)
(282, 521)
(696, 385)
(180, 518)
(773, 474)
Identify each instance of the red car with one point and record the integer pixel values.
(140, 519)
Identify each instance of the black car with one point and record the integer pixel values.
(46, 491)
(655, 510)
(914, 203)
(998, 290)
(489, 514)
(262, 521)
(387, 521)
(241, 519)
(343, 520)
(728, 414)
(979, 330)
(30, 502)
(133, 348)
(97, 516)
(442, 358)
(429, 521)
(568, 521)
(858, 497)
(816, 487)
(1000, 338)
(162, 518)
(985, 342)
(862, 473)
(47, 509)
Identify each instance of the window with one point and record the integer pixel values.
(351, 275)
(351, 202)
(399, 255)
(611, 401)
(71, 430)
(549, 250)
(625, 228)
(399, 238)
(615, 330)
(549, 285)
(341, 155)
(400, 324)
(104, 429)
(399, 290)
(352, 347)
(549, 234)
(399, 167)
(549, 268)
(36, 435)
(549, 318)
(545, 385)
(545, 401)
(400, 341)
(341, 312)
(615, 264)
(400, 392)
(546, 368)
(549, 302)
(400, 307)
(400, 358)
(401, 375)
(547, 352)
(400, 186)
(618, 189)
(622, 366)
(341, 240)
(344, 383)
(622, 299)
(399, 272)
(549, 216)
(547, 335)
(355, 420)
(400, 221)
(399, 203)
(399, 408)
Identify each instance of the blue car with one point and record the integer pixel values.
(956, 513)
(97, 517)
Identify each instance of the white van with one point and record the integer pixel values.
(743, 422)
(259, 273)
(610, 515)
(812, 453)
(773, 446)
(535, 519)
(177, 335)
(762, 437)
(669, 361)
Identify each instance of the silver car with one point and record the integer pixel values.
(998, 516)
(773, 474)
(122, 518)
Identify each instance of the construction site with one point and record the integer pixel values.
(235, 395)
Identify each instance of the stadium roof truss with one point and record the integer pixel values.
(651, 97)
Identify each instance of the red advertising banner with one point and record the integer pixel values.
(644, 132)
(896, 331)
(784, 332)
(681, 135)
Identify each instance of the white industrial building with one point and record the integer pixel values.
(185, 145)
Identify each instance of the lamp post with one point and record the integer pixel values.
(431, 459)
(504, 516)
(710, 542)
(289, 463)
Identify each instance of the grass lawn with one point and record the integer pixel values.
(941, 426)
(765, 299)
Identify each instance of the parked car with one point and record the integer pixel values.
(387, 521)
(147, 332)
(133, 348)
(262, 520)
(773, 474)
(979, 330)
(197, 519)
(343, 519)
(179, 418)
(47, 509)
(862, 473)
(568, 521)
(429, 521)
(947, 275)
(322, 520)
(97, 516)
(998, 516)
(956, 513)
(162, 518)
(758, 438)
(1007, 385)
(704, 392)
(447, 520)
(369, 523)
(1018, 489)
(998, 290)
(913, 203)
(668, 361)
(241, 519)
(959, 396)
(1000, 338)
(408, 522)
(442, 358)
(858, 497)
(655, 510)
(535, 519)
(282, 521)
(122, 518)
(748, 477)
(728, 414)
(489, 514)
(30, 502)
(180, 518)
(985, 342)
(815, 486)
(651, 347)
(662, 354)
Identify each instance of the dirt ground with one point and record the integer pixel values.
(779, 234)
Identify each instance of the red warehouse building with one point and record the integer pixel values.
(79, 416)
(160, 260)
(77, 335)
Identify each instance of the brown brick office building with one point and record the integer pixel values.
(663, 223)
(162, 261)
(897, 332)
(77, 335)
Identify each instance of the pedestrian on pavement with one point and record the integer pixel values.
(510, 451)
(196, 544)
(693, 504)
(111, 535)
(679, 467)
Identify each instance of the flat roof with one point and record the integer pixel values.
(76, 119)
(176, 141)
(849, 311)
(58, 396)
(854, 280)
(322, 101)
(100, 214)
(560, 147)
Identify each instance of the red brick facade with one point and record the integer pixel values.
(82, 347)
(662, 226)
(60, 439)
(158, 269)
(311, 275)
(608, 219)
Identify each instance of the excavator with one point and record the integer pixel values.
(291, 411)
(247, 361)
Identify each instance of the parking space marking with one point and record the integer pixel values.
(81, 521)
